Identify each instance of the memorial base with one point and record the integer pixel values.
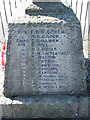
(45, 107)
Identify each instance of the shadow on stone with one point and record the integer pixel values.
(87, 64)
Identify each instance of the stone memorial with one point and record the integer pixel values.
(45, 73)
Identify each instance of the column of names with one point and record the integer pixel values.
(47, 54)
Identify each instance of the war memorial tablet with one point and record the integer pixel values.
(44, 60)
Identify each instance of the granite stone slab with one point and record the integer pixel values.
(45, 107)
(45, 53)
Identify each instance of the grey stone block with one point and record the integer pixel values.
(6, 105)
(45, 107)
(89, 107)
(32, 40)
(83, 107)
(45, 65)
(52, 106)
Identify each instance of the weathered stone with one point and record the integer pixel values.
(44, 53)
(83, 107)
(51, 106)
(45, 0)
(45, 65)
(88, 107)
(45, 107)
(6, 105)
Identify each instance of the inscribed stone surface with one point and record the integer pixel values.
(44, 60)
